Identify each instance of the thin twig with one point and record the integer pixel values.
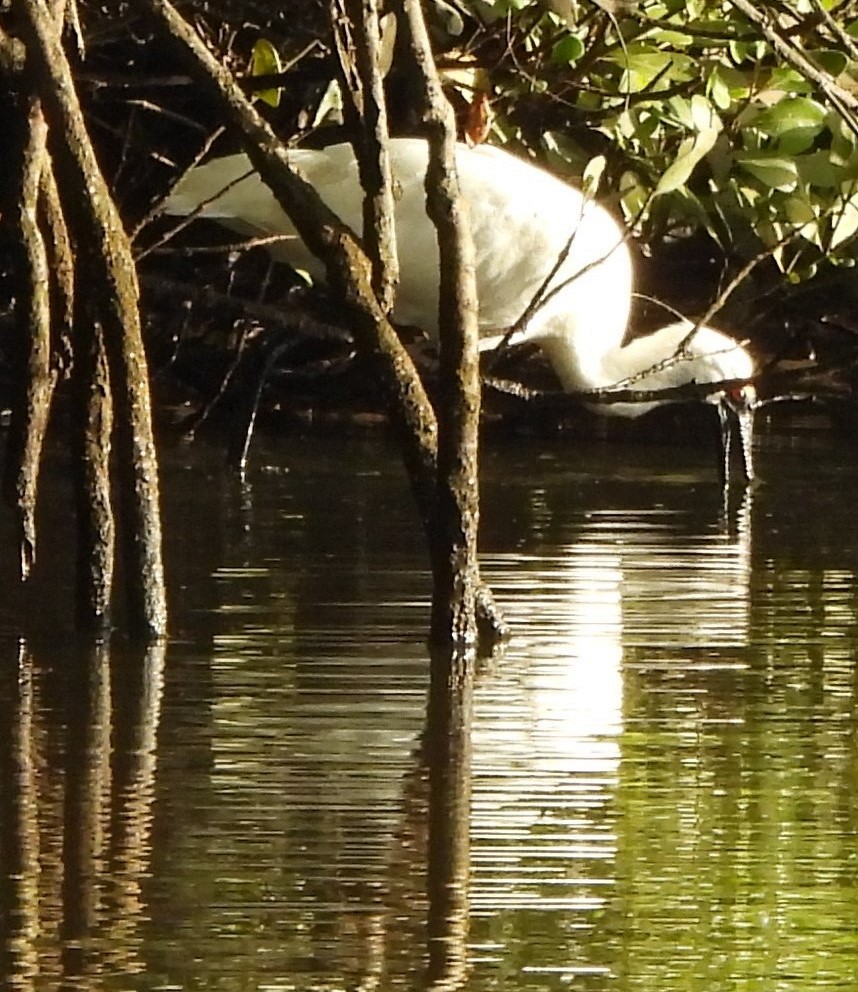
(743, 273)
(189, 251)
(153, 211)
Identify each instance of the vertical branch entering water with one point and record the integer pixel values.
(456, 517)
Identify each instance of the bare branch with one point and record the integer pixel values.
(357, 34)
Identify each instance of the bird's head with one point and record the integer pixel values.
(741, 399)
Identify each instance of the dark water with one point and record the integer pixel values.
(664, 763)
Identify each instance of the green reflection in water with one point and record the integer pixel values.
(737, 816)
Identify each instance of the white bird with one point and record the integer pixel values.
(523, 220)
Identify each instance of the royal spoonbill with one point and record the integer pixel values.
(524, 221)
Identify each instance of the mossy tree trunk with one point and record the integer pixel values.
(114, 368)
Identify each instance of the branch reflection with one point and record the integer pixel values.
(447, 753)
(80, 845)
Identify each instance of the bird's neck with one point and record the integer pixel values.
(578, 364)
(652, 361)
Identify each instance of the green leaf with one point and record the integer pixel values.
(788, 80)
(719, 91)
(331, 103)
(568, 50)
(633, 195)
(703, 114)
(798, 210)
(593, 175)
(771, 171)
(845, 223)
(500, 8)
(672, 39)
(638, 123)
(680, 107)
(801, 214)
(738, 82)
(832, 60)
(643, 66)
(817, 169)
(843, 147)
(793, 122)
(790, 114)
(265, 61)
(748, 51)
(691, 151)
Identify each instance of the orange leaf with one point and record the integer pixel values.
(478, 121)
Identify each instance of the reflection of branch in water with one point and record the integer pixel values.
(448, 754)
(136, 718)
(430, 861)
(62, 825)
(87, 791)
(19, 856)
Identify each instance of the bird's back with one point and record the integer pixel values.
(522, 218)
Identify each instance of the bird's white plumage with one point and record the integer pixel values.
(522, 218)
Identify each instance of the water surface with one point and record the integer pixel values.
(663, 766)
